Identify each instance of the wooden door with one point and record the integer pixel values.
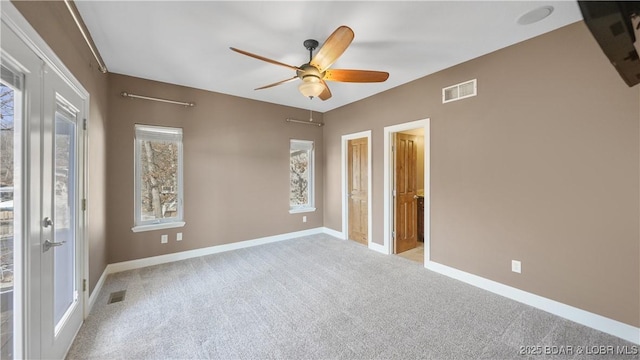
(358, 189)
(406, 210)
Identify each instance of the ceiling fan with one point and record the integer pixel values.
(314, 73)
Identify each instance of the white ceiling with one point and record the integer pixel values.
(187, 43)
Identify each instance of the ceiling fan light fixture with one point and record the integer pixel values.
(311, 86)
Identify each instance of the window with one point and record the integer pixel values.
(301, 176)
(158, 178)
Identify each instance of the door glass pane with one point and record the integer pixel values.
(10, 210)
(64, 214)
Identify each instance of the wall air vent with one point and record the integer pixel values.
(460, 91)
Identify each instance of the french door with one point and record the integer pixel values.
(45, 192)
(61, 250)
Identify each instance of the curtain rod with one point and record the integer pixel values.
(185, 104)
(304, 122)
(101, 65)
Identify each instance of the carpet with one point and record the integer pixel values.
(318, 297)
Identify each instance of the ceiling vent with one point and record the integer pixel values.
(460, 91)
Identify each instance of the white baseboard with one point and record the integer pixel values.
(594, 321)
(379, 248)
(334, 233)
(183, 255)
(96, 291)
(340, 235)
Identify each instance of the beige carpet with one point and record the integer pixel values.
(315, 297)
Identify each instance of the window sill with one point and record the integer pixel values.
(301, 210)
(141, 228)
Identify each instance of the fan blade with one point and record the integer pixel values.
(335, 45)
(360, 76)
(264, 58)
(276, 84)
(326, 93)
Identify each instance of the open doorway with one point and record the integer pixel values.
(356, 187)
(407, 190)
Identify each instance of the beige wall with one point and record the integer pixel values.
(236, 167)
(541, 167)
(55, 25)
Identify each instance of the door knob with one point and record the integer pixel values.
(47, 222)
(416, 196)
(49, 244)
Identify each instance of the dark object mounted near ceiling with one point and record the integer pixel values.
(614, 25)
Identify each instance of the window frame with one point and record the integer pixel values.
(308, 145)
(160, 133)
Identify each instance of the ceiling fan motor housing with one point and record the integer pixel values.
(308, 70)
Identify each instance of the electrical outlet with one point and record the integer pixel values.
(304, 219)
(179, 237)
(164, 239)
(516, 266)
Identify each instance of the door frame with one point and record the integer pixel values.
(12, 17)
(389, 170)
(345, 183)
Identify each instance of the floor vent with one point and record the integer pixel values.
(460, 91)
(116, 296)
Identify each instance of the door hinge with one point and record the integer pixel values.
(84, 284)
(84, 124)
(84, 204)
(394, 193)
(393, 234)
